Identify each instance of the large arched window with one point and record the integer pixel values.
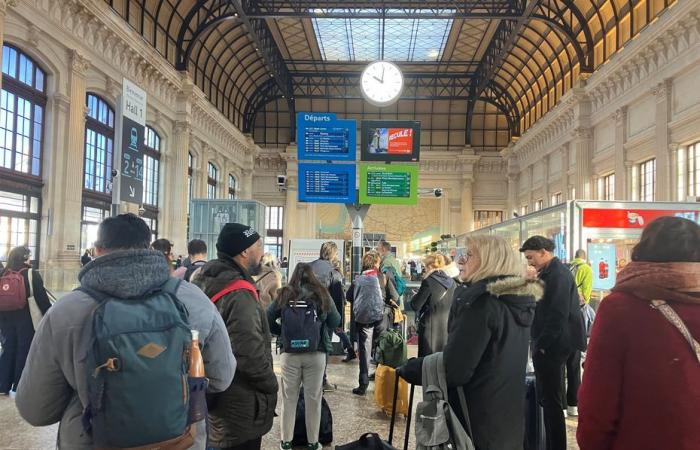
(22, 111)
(99, 153)
(212, 180)
(232, 187)
(151, 164)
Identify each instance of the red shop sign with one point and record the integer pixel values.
(630, 218)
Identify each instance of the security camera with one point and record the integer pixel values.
(437, 192)
(115, 172)
(282, 182)
(142, 210)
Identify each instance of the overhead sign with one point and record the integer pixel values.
(133, 127)
(390, 140)
(631, 218)
(389, 184)
(327, 183)
(321, 136)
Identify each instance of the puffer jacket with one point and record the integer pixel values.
(486, 354)
(246, 409)
(54, 384)
(432, 304)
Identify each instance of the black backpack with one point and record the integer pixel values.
(301, 327)
(325, 429)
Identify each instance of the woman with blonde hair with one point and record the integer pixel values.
(432, 304)
(269, 281)
(487, 345)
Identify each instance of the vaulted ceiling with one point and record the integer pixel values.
(491, 68)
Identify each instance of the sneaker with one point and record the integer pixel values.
(360, 390)
(285, 445)
(328, 387)
(349, 357)
(315, 446)
(572, 411)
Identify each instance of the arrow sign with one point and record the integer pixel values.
(132, 193)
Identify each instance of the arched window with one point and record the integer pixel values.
(99, 153)
(99, 141)
(212, 180)
(151, 164)
(22, 111)
(190, 170)
(232, 187)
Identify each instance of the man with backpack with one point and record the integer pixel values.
(390, 266)
(111, 356)
(240, 416)
(197, 255)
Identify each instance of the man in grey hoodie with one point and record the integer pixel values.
(54, 387)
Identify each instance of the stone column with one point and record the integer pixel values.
(565, 168)
(621, 175)
(291, 215)
(663, 160)
(545, 189)
(512, 174)
(177, 210)
(63, 202)
(4, 4)
(677, 192)
(467, 206)
(202, 174)
(531, 188)
(247, 177)
(583, 144)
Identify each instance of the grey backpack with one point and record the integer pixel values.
(437, 426)
(368, 303)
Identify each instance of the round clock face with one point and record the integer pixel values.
(381, 83)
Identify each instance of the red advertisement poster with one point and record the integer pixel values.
(400, 141)
(630, 218)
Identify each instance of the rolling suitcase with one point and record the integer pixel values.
(408, 415)
(535, 438)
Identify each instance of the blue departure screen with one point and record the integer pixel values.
(321, 136)
(326, 183)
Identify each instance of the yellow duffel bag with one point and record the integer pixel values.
(384, 382)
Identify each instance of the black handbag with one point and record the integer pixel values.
(368, 441)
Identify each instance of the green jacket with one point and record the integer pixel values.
(584, 278)
(390, 260)
(330, 319)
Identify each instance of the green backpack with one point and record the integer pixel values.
(137, 367)
(391, 349)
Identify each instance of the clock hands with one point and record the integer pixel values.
(381, 80)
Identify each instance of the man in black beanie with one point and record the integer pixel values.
(240, 416)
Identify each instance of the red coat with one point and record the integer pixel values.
(641, 381)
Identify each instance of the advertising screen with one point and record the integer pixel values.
(390, 140)
(388, 184)
(327, 183)
(603, 261)
(321, 136)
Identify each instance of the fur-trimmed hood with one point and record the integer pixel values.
(519, 295)
(517, 286)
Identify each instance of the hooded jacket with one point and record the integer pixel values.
(486, 353)
(432, 304)
(54, 388)
(246, 409)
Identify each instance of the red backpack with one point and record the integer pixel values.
(13, 292)
(235, 286)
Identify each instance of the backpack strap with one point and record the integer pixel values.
(672, 316)
(171, 286)
(98, 296)
(236, 285)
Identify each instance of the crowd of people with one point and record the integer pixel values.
(488, 313)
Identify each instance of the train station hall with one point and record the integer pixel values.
(350, 224)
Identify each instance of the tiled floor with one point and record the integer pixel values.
(352, 417)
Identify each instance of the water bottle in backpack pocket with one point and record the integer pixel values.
(301, 327)
(137, 370)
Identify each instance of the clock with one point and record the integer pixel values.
(381, 83)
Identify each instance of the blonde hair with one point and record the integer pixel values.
(370, 260)
(269, 260)
(434, 261)
(329, 251)
(497, 257)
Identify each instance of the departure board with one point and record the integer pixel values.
(389, 184)
(321, 136)
(327, 183)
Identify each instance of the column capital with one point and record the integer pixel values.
(182, 127)
(663, 89)
(79, 63)
(673, 146)
(61, 101)
(4, 4)
(582, 133)
(620, 115)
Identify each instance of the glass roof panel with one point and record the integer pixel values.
(361, 39)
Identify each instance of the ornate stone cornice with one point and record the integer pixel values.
(182, 127)
(4, 4)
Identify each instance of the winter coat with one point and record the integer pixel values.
(551, 328)
(330, 320)
(432, 304)
(268, 282)
(54, 382)
(332, 279)
(486, 354)
(245, 410)
(641, 383)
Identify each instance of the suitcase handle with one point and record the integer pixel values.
(393, 412)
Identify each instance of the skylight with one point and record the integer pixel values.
(360, 39)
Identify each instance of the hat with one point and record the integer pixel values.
(537, 243)
(235, 238)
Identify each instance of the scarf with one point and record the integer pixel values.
(672, 281)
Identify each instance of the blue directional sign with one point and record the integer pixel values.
(327, 183)
(323, 137)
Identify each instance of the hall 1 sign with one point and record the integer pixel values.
(132, 142)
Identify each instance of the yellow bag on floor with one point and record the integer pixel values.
(384, 382)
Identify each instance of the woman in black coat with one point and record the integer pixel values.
(432, 304)
(487, 345)
(16, 327)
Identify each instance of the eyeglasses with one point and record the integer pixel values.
(464, 258)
